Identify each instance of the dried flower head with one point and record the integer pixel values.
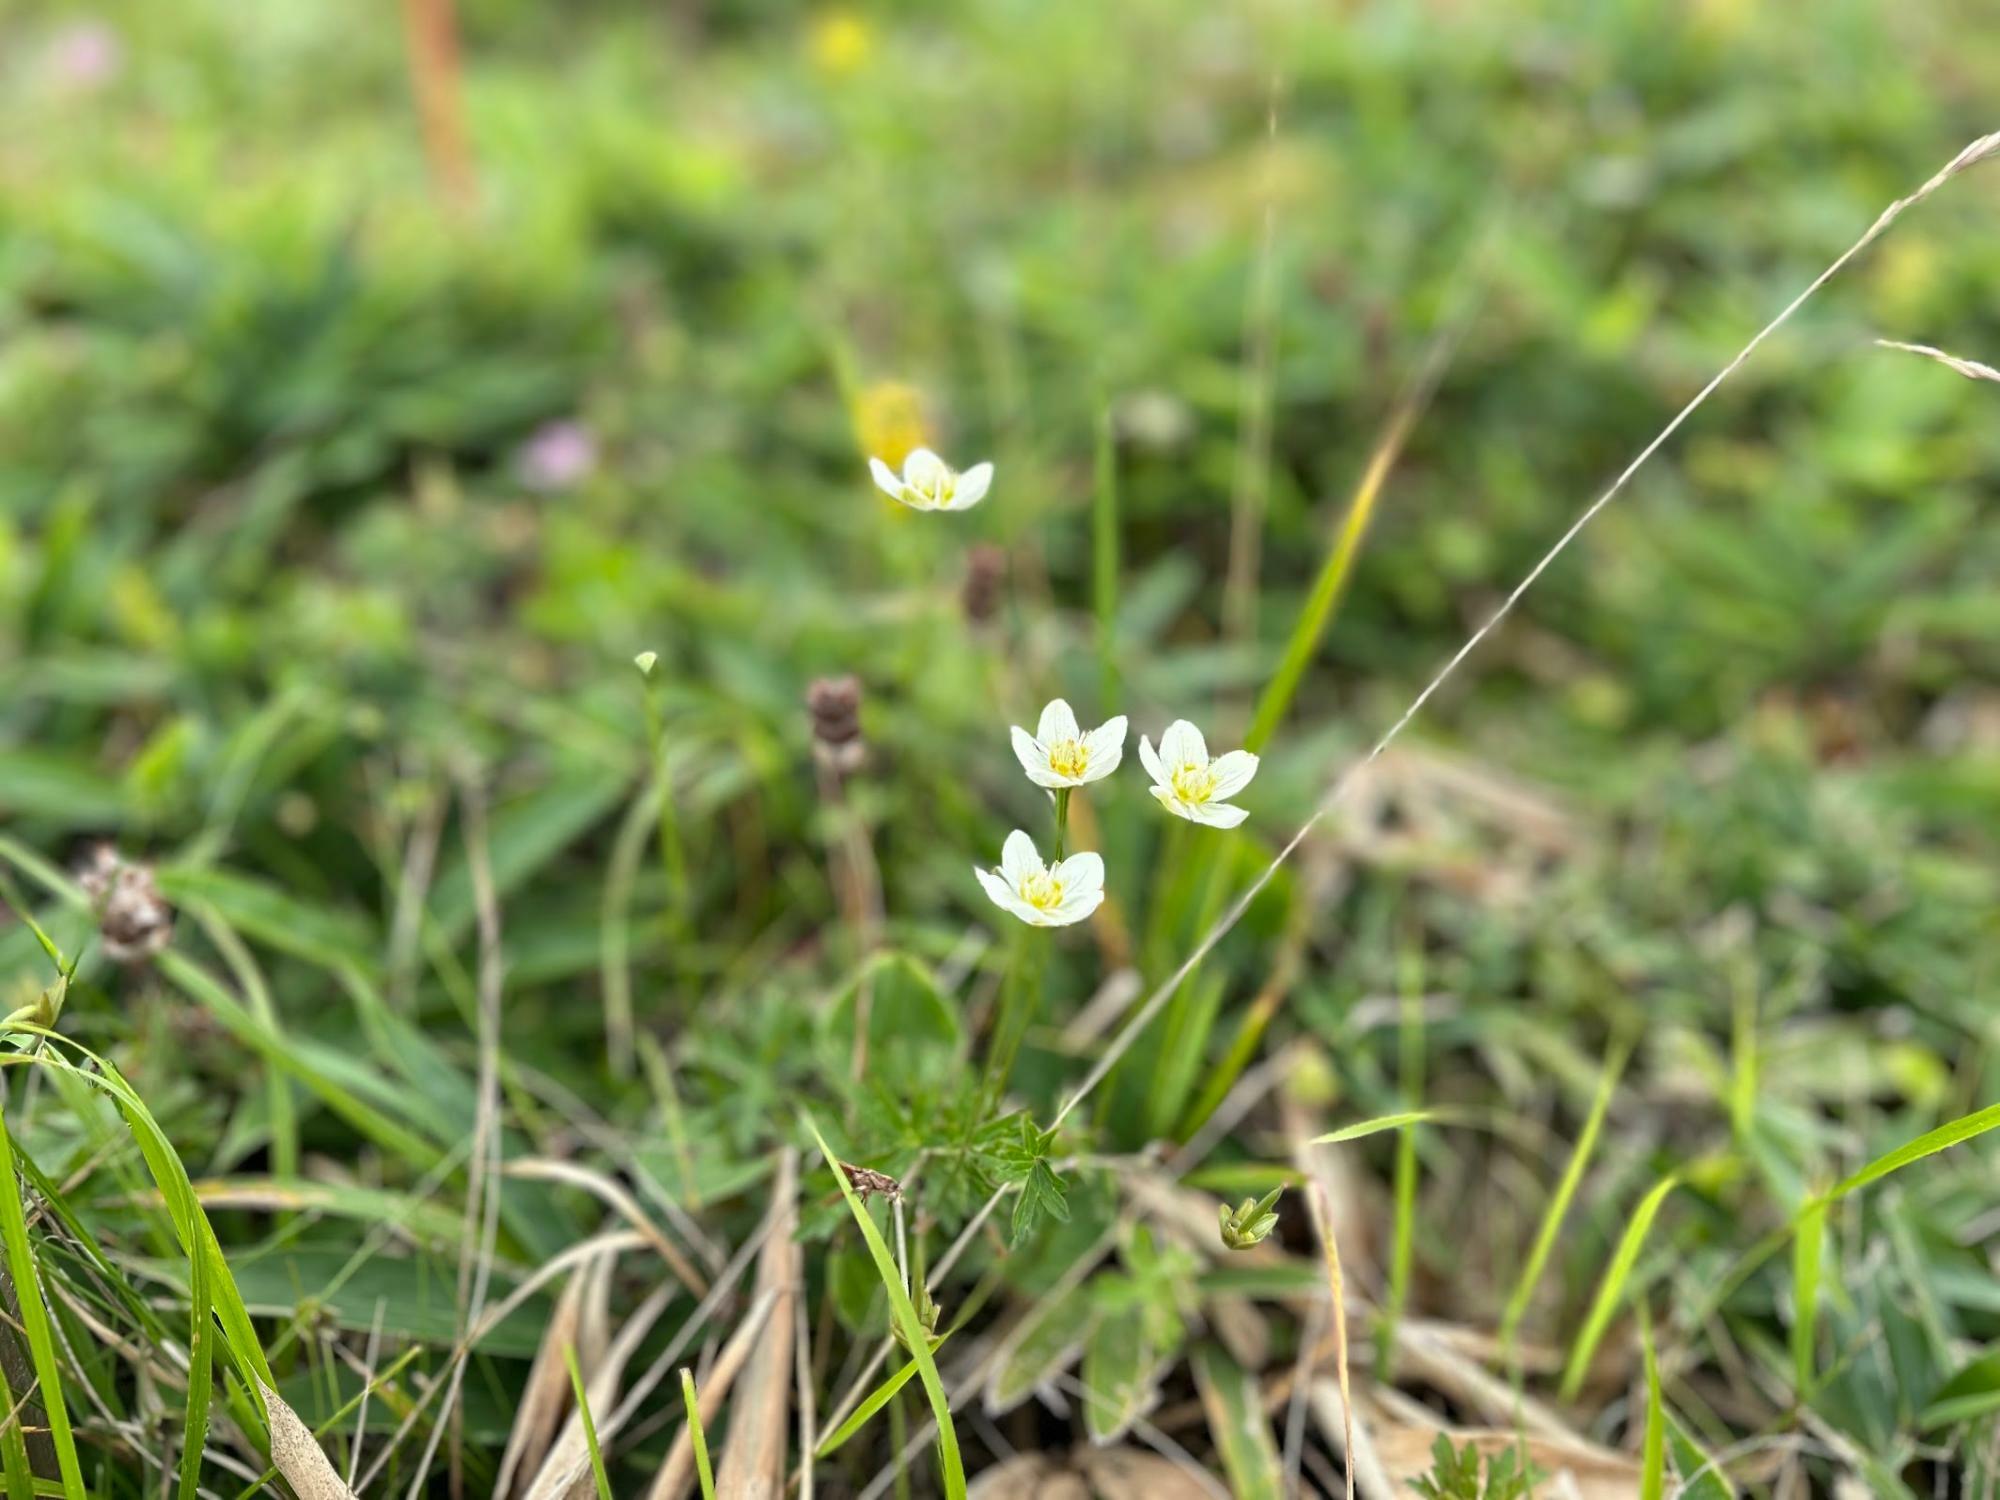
(133, 918)
(835, 706)
(985, 581)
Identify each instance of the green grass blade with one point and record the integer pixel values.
(1309, 629)
(1565, 1194)
(875, 1400)
(1374, 1126)
(1612, 1287)
(915, 1335)
(1410, 1077)
(35, 1315)
(14, 1465)
(1653, 1455)
(597, 1473)
(696, 1435)
(1928, 1144)
(1808, 1249)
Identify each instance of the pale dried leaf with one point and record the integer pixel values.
(298, 1455)
(676, 1476)
(1029, 1476)
(546, 1397)
(753, 1461)
(1133, 1474)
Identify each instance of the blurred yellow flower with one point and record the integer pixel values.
(840, 41)
(889, 421)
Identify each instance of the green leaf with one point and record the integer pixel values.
(1235, 1409)
(1653, 1451)
(1118, 1363)
(1047, 1343)
(597, 1473)
(1042, 1195)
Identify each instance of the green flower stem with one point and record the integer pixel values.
(1062, 819)
(1018, 996)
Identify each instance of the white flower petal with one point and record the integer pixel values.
(1031, 752)
(1217, 814)
(1173, 804)
(972, 487)
(1018, 859)
(996, 888)
(1052, 781)
(1151, 761)
(1080, 874)
(1058, 724)
(1073, 909)
(886, 480)
(924, 468)
(1232, 773)
(1106, 744)
(1182, 745)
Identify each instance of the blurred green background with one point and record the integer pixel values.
(336, 471)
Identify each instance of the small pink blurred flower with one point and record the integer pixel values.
(85, 55)
(558, 456)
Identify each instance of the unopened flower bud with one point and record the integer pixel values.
(133, 918)
(1251, 1222)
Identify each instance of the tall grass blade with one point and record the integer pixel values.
(1612, 1287)
(698, 1436)
(590, 1444)
(915, 1336)
(1653, 1453)
(1808, 1250)
(35, 1318)
(1565, 1194)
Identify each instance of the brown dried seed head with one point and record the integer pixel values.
(835, 706)
(133, 918)
(985, 582)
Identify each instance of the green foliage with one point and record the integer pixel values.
(1459, 1474)
(288, 590)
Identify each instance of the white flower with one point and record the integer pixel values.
(1044, 896)
(1060, 754)
(1189, 784)
(929, 483)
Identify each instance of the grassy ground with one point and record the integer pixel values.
(516, 999)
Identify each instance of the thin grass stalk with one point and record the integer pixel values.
(1104, 559)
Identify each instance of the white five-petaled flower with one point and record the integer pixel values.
(929, 483)
(1060, 754)
(1189, 784)
(1044, 895)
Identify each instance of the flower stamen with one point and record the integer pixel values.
(1042, 890)
(1193, 783)
(1069, 758)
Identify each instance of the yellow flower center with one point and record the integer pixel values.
(1042, 890)
(1069, 757)
(1193, 784)
(935, 489)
